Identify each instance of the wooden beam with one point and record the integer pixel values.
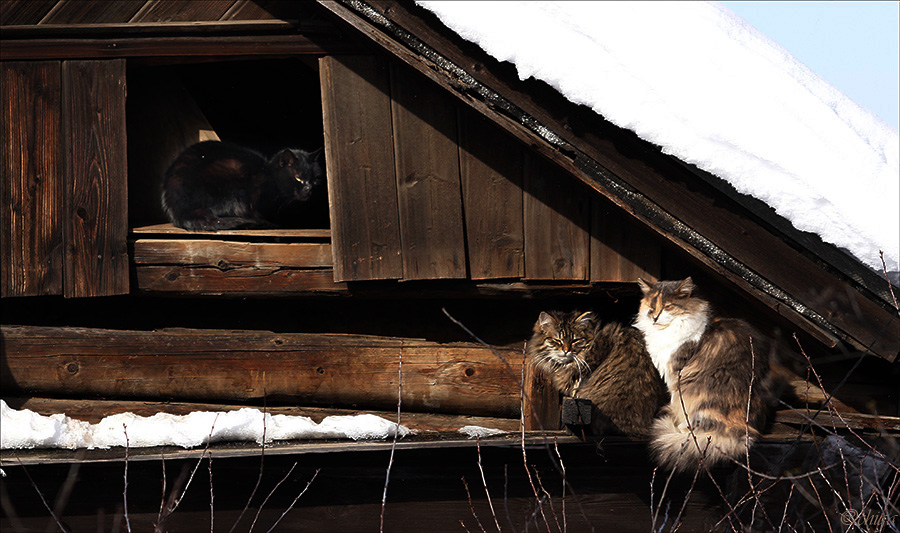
(226, 366)
(31, 183)
(227, 255)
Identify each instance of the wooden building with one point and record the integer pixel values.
(454, 190)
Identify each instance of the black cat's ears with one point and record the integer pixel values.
(285, 157)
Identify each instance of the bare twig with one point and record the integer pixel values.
(125, 486)
(262, 458)
(212, 497)
(59, 524)
(471, 506)
(291, 506)
(387, 476)
(263, 504)
(561, 465)
(174, 502)
(484, 482)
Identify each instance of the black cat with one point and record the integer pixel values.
(214, 185)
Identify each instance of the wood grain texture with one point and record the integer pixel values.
(491, 169)
(362, 191)
(81, 12)
(217, 365)
(557, 224)
(236, 280)
(276, 233)
(227, 255)
(620, 249)
(96, 217)
(428, 188)
(22, 12)
(182, 10)
(31, 184)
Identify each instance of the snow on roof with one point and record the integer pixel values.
(709, 89)
(26, 429)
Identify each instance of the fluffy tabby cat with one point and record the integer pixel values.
(715, 412)
(608, 365)
(214, 185)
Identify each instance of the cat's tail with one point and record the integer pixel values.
(676, 446)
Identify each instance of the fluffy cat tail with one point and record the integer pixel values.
(679, 448)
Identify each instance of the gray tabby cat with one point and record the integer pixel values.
(606, 364)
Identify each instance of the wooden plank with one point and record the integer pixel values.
(619, 155)
(227, 255)
(31, 185)
(170, 229)
(491, 169)
(542, 403)
(16, 12)
(362, 191)
(620, 249)
(96, 178)
(95, 410)
(182, 10)
(218, 365)
(81, 12)
(557, 222)
(428, 187)
(236, 281)
(267, 10)
(173, 46)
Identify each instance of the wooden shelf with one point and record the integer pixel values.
(170, 230)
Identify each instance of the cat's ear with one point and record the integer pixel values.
(645, 287)
(546, 322)
(285, 158)
(585, 318)
(686, 287)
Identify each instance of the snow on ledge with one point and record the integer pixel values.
(27, 429)
(480, 432)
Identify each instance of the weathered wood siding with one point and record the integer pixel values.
(469, 201)
(63, 190)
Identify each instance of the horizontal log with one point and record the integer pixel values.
(238, 281)
(93, 411)
(230, 366)
(226, 255)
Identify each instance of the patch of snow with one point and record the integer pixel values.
(711, 90)
(27, 429)
(480, 432)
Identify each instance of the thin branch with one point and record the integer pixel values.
(263, 504)
(387, 476)
(471, 506)
(59, 524)
(125, 486)
(484, 482)
(291, 506)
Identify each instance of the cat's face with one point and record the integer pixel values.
(665, 302)
(562, 339)
(298, 172)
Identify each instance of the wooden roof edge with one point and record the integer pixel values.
(88, 31)
(871, 284)
(377, 25)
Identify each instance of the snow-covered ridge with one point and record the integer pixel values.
(709, 89)
(27, 429)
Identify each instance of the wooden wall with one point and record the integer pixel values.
(421, 188)
(63, 188)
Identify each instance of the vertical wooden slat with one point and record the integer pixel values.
(96, 178)
(491, 165)
(428, 187)
(362, 190)
(31, 184)
(620, 249)
(557, 218)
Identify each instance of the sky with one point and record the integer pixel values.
(855, 46)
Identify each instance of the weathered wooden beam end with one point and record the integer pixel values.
(576, 411)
